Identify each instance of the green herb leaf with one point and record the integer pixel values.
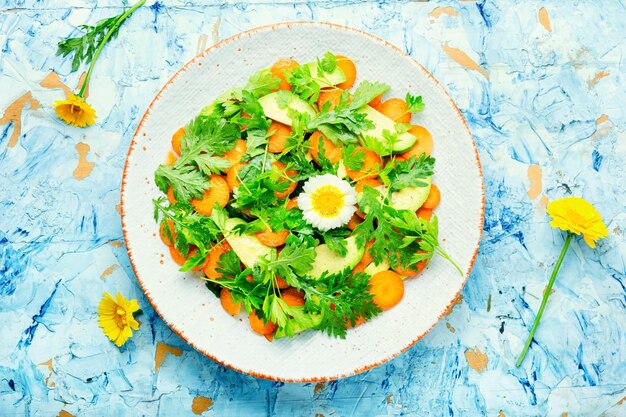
(261, 83)
(414, 103)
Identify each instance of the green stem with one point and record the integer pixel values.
(544, 301)
(110, 33)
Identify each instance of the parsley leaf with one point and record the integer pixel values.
(186, 181)
(366, 92)
(353, 159)
(327, 64)
(411, 173)
(414, 103)
(283, 98)
(261, 83)
(336, 241)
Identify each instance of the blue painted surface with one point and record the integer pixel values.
(551, 98)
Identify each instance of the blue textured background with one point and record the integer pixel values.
(543, 93)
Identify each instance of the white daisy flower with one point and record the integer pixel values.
(327, 202)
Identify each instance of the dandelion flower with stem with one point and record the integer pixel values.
(576, 216)
(74, 110)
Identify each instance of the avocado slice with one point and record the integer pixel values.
(411, 198)
(272, 109)
(381, 122)
(327, 260)
(373, 268)
(326, 79)
(247, 247)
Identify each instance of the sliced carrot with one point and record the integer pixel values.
(293, 292)
(194, 252)
(414, 270)
(176, 139)
(170, 158)
(371, 164)
(234, 155)
(376, 102)
(396, 109)
(170, 195)
(217, 193)
(231, 175)
(387, 288)
(358, 268)
(433, 199)
(278, 71)
(269, 337)
(292, 185)
(172, 232)
(332, 152)
(259, 326)
(178, 257)
(424, 213)
(332, 96)
(360, 320)
(281, 283)
(367, 256)
(354, 222)
(424, 143)
(349, 69)
(372, 182)
(291, 299)
(228, 303)
(359, 213)
(272, 239)
(293, 203)
(278, 141)
(215, 254)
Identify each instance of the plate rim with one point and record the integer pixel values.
(235, 37)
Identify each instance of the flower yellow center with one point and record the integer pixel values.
(120, 317)
(327, 201)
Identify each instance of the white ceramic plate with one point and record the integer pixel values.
(195, 314)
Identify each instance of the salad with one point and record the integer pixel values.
(305, 202)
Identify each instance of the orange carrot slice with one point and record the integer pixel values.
(215, 254)
(396, 109)
(272, 239)
(424, 143)
(259, 326)
(170, 195)
(371, 164)
(176, 140)
(292, 185)
(278, 71)
(231, 175)
(433, 199)
(217, 193)
(331, 96)
(424, 213)
(278, 141)
(234, 155)
(169, 224)
(387, 288)
(332, 152)
(354, 222)
(349, 69)
(228, 303)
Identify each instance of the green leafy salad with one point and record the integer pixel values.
(304, 200)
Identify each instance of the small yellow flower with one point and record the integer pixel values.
(116, 317)
(577, 216)
(75, 111)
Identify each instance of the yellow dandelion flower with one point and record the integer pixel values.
(116, 317)
(575, 215)
(75, 111)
